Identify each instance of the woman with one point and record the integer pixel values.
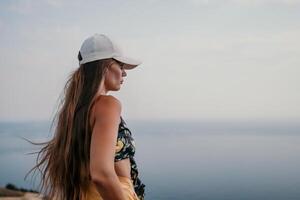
(91, 156)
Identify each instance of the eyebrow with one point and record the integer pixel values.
(120, 63)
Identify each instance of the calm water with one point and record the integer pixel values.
(181, 160)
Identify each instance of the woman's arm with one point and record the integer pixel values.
(103, 143)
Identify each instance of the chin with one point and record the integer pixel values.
(116, 88)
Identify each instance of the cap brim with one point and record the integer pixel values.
(129, 63)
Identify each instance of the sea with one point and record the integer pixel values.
(185, 160)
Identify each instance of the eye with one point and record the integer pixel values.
(121, 65)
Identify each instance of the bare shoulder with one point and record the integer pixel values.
(107, 100)
(106, 107)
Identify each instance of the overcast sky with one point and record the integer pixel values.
(202, 59)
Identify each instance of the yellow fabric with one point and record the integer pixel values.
(126, 185)
(119, 146)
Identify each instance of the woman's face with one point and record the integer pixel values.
(114, 76)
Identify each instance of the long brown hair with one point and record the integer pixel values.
(64, 160)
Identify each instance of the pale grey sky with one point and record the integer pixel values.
(234, 59)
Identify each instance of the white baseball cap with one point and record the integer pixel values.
(99, 46)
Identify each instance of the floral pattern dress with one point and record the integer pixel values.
(125, 148)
